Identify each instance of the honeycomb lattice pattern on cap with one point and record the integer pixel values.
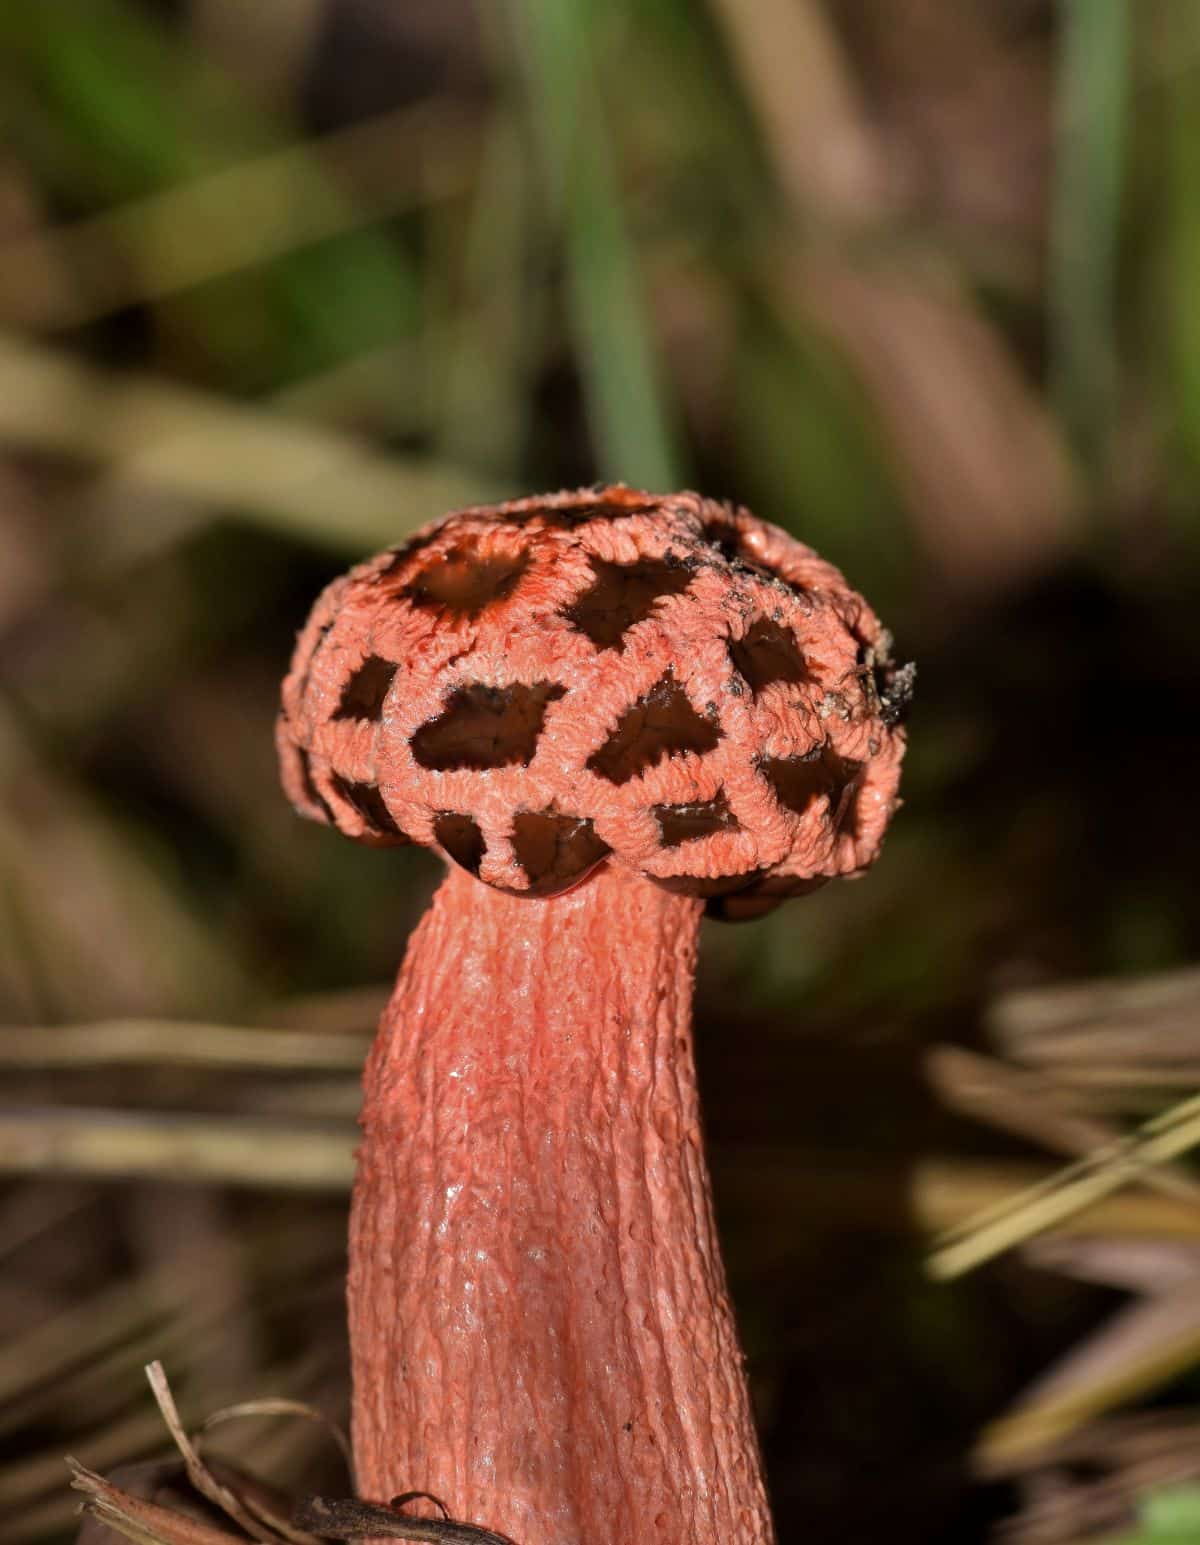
(483, 726)
(541, 686)
(622, 594)
(363, 695)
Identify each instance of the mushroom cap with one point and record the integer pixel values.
(662, 681)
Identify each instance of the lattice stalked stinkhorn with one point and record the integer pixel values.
(610, 710)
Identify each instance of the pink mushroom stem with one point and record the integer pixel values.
(539, 1318)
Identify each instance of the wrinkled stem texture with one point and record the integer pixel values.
(540, 1329)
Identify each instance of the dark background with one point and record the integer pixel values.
(280, 281)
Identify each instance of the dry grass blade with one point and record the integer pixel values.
(946, 1194)
(938, 1194)
(229, 1150)
(1130, 1438)
(348, 1009)
(23, 1483)
(1134, 1087)
(259, 1521)
(100, 1383)
(177, 1043)
(141, 1521)
(232, 219)
(148, 433)
(1137, 1025)
(816, 130)
(85, 1332)
(120, 934)
(1133, 1265)
(27, 1214)
(90, 1340)
(991, 492)
(1020, 1217)
(1140, 1348)
(275, 1406)
(1020, 1102)
(1104, 1512)
(1092, 1479)
(57, 1520)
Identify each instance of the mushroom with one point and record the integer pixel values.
(612, 711)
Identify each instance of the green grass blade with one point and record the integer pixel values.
(627, 404)
(1092, 110)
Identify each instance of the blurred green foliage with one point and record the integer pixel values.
(1169, 1518)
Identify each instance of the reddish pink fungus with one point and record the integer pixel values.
(628, 708)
